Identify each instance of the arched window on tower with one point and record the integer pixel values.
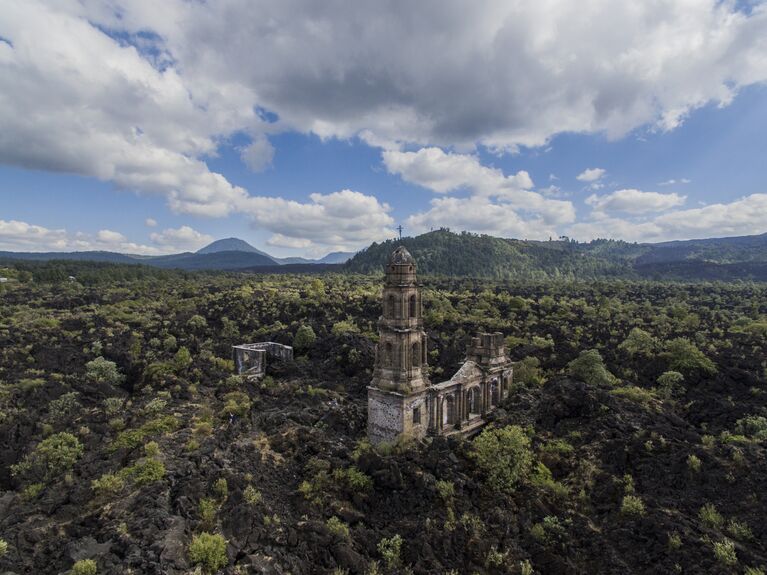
(390, 305)
(416, 355)
(412, 306)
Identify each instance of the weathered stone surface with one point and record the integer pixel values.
(401, 400)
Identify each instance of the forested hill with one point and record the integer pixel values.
(442, 252)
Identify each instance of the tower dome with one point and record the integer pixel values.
(401, 256)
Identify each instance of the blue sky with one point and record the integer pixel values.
(124, 131)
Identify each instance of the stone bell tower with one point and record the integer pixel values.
(397, 394)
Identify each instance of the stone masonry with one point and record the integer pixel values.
(401, 400)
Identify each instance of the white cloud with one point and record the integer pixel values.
(479, 215)
(344, 220)
(591, 175)
(634, 202)
(443, 76)
(180, 239)
(145, 106)
(258, 154)
(443, 172)
(281, 241)
(745, 216)
(110, 237)
(673, 181)
(22, 236)
(150, 223)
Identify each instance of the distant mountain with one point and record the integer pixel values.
(225, 254)
(471, 255)
(445, 253)
(336, 258)
(232, 245)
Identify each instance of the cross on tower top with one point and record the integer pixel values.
(399, 229)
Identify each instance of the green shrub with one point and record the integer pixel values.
(354, 479)
(113, 405)
(221, 489)
(528, 371)
(724, 551)
(144, 472)
(108, 484)
(710, 516)
(236, 403)
(251, 495)
(338, 527)
(674, 541)
(208, 551)
(304, 338)
(3, 548)
(739, 530)
(446, 490)
(632, 505)
(693, 462)
(753, 426)
(639, 342)
(670, 383)
(84, 567)
(590, 368)
(634, 393)
(390, 550)
(102, 370)
(51, 457)
(683, 356)
(208, 507)
(504, 455)
(344, 327)
(754, 571)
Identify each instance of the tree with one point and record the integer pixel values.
(683, 356)
(182, 359)
(504, 455)
(639, 342)
(102, 370)
(590, 367)
(51, 457)
(304, 338)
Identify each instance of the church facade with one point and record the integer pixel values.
(402, 402)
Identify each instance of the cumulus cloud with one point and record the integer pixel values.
(591, 175)
(439, 74)
(741, 217)
(22, 236)
(18, 236)
(83, 102)
(258, 154)
(184, 238)
(635, 202)
(141, 93)
(444, 172)
(150, 223)
(478, 215)
(343, 220)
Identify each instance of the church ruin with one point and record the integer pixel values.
(401, 400)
